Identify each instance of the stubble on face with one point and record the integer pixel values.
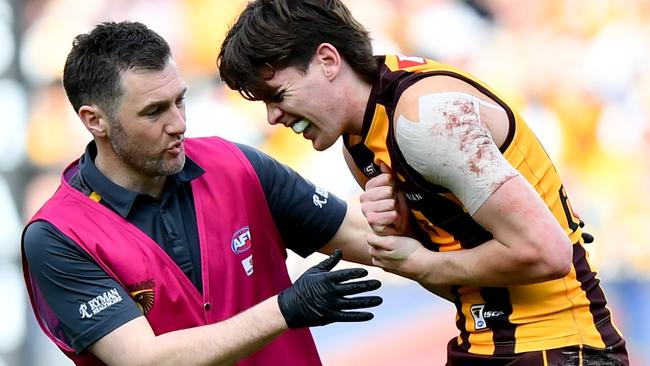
(135, 155)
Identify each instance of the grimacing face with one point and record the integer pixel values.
(147, 134)
(308, 103)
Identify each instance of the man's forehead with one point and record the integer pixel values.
(147, 83)
(268, 80)
(272, 80)
(263, 92)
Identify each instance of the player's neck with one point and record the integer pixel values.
(357, 96)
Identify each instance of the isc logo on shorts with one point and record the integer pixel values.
(241, 240)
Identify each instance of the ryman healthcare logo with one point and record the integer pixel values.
(99, 303)
(320, 197)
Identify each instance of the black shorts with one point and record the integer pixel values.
(566, 356)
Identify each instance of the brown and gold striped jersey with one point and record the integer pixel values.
(491, 320)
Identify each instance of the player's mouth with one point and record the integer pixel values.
(301, 125)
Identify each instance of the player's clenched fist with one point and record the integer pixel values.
(384, 206)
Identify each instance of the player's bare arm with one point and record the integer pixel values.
(447, 132)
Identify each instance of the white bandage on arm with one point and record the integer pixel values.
(449, 146)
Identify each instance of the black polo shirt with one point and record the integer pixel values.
(68, 276)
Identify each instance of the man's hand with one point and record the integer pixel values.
(384, 206)
(318, 297)
(395, 254)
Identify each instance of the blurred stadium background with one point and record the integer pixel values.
(578, 69)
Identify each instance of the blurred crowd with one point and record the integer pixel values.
(579, 70)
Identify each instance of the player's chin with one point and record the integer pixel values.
(321, 144)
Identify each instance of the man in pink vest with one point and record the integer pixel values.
(160, 250)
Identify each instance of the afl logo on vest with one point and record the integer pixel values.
(241, 240)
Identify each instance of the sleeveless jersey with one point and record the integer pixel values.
(242, 255)
(492, 321)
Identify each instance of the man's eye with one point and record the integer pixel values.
(153, 113)
(277, 98)
(180, 101)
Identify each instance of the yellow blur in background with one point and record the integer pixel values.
(579, 70)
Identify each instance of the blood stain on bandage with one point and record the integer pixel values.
(450, 146)
(504, 178)
(462, 123)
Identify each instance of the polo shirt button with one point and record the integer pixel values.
(206, 306)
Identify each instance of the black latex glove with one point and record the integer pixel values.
(318, 296)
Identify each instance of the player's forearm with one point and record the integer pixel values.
(222, 343)
(489, 264)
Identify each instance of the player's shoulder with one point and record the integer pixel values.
(435, 94)
(435, 84)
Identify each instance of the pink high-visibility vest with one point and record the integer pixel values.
(242, 256)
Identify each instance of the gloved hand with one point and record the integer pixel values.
(318, 296)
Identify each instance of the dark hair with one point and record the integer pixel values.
(92, 72)
(275, 34)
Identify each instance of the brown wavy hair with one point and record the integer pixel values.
(271, 35)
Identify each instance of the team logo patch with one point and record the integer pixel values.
(144, 299)
(143, 294)
(241, 240)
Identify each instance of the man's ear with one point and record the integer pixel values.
(95, 120)
(329, 59)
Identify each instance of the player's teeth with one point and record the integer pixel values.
(300, 126)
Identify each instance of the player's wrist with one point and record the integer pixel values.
(423, 270)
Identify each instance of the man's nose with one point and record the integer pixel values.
(177, 126)
(273, 113)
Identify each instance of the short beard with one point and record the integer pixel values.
(130, 153)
